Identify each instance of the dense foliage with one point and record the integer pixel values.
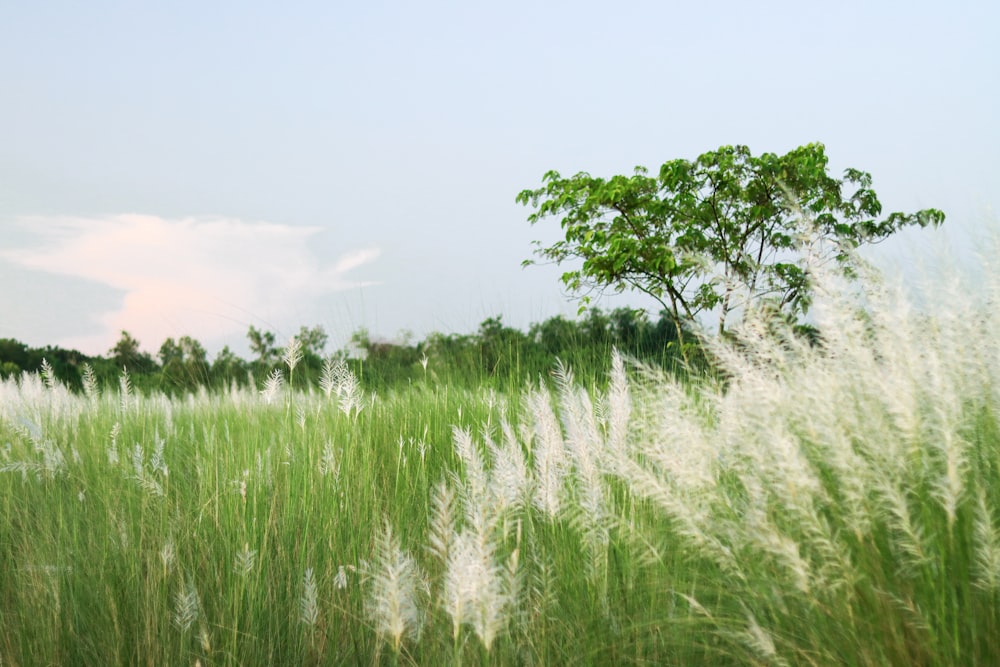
(494, 353)
(722, 232)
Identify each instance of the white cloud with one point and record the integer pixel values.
(206, 277)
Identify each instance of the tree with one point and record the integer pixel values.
(722, 232)
(170, 351)
(185, 363)
(126, 354)
(313, 340)
(553, 335)
(262, 344)
(15, 353)
(193, 352)
(228, 367)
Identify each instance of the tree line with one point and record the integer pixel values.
(727, 233)
(494, 353)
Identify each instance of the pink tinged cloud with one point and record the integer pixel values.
(206, 277)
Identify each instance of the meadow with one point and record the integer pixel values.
(806, 504)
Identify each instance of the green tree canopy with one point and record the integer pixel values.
(313, 340)
(185, 363)
(720, 232)
(228, 367)
(262, 345)
(170, 351)
(126, 354)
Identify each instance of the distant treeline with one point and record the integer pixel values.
(495, 353)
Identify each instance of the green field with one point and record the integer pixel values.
(835, 504)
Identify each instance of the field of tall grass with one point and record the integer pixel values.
(831, 504)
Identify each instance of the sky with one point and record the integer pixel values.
(197, 168)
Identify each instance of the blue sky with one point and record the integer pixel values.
(194, 168)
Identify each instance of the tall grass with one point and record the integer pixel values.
(819, 504)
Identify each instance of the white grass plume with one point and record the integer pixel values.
(760, 642)
(146, 479)
(89, 379)
(474, 591)
(48, 374)
(187, 606)
(125, 391)
(618, 404)
(309, 601)
(338, 381)
(585, 445)
(245, 561)
(272, 386)
(293, 354)
(442, 521)
(50, 461)
(397, 584)
(328, 465)
(476, 479)
(116, 430)
(329, 379)
(550, 459)
(168, 555)
(340, 579)
(509, 479)
(987, 550)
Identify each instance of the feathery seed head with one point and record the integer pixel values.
(272, 386)
(309, 602)
(186, 606)
(245, 561)
(293, 354)
(474, 588)
(397, 583)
